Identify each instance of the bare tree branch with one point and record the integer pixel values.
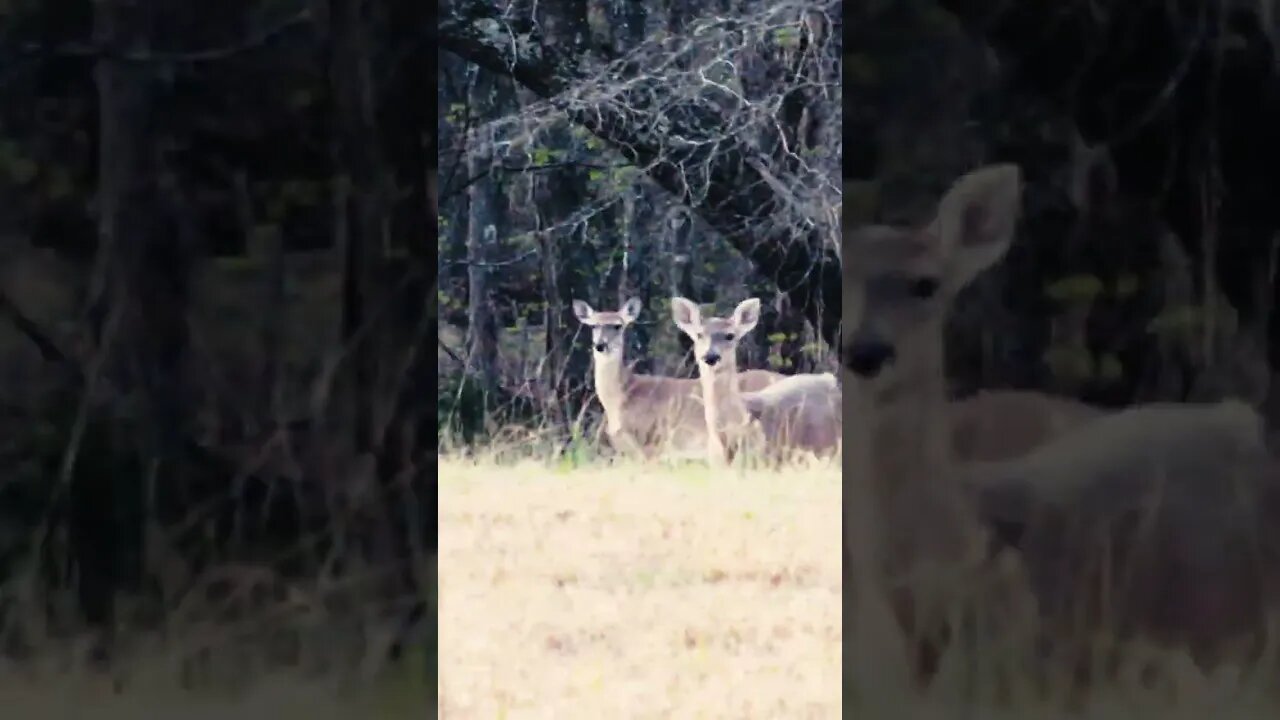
(694, 140)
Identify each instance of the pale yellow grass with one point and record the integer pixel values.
(638, 592)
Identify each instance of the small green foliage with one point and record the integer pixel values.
(787, 37)
(1070, 363)
(456, 113)
(1127, 285)
(1177, 319)
(1109, 368)
(1075, 288)
(542, 155)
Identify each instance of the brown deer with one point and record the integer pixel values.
(1007, 424)
(1167, 507)
(799, 412)
(926, 541)
(647, 414)
(1127, 480)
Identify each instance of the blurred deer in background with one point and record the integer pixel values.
(1125, 487)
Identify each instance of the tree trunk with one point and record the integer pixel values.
(486, 222)
(141, 287)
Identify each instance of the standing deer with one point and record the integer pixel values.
(1175, 526)
(899, 282)
(801, 411)
(645, 414)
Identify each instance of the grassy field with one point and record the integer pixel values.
(638, 592)
(672, 592)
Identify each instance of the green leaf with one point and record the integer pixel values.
(1075, 288)
(1177, 319)
(788, 36)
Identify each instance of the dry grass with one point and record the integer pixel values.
(651, 592)
(283, 698)
(152, 687)
(638, 592)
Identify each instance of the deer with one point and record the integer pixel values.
(1179, 499)
(801, 413)
(994, 425)
(919, 516)
(645, 414)
(913, 536)
(798, 412)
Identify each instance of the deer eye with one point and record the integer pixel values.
(728, 336)
(924, 288)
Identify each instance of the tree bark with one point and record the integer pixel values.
(141, 286)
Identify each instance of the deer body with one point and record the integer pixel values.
(1183, 497)
(928, 541)
(1006, 424)
(645, 414)
(801, 412)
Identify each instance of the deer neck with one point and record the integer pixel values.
(721, 398)
(611, 380)
(912, 466)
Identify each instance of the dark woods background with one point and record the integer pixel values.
(214, 223)
(1147, 134)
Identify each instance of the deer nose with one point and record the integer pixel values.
(867, 357)
(601, 347)
(711, 358)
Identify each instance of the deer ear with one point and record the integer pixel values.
(686, 315)
(747, 315)
(631, 310)
(976, 221)
(583, 312)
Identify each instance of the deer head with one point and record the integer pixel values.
(715, 339)
(900, 282)
(608, 329)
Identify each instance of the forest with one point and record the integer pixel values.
(565, 189)
(214, 309)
